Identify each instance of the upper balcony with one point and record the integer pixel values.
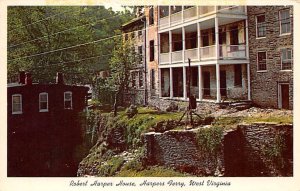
(201, 43)
(182, 14)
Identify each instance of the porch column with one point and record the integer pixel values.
(198, 38)
(184, 82)
(247, 39)
(169, 15)
(200, 82)
(217, 58)
(159, 81)
(182, 17)
(217, 38)
(183, 44)
(218, 83)
(171, 82)
(248, 79)
(170, 47)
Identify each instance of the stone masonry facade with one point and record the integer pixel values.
(265, 84)
(245, 151)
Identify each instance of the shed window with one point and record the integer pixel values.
(17, 104)
(68, 100)
(43, 102)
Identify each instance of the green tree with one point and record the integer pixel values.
(80, 25)
(123, 60)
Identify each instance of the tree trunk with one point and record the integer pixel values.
(116, 104)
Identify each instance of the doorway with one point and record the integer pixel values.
(206, 84)
(223, 86)
(283, 96)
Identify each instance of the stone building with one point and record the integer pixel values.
(213, 37)
(271, 55)
(237, 53)
(134, 30)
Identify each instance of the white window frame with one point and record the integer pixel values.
(68, 92)
(281, 59)
(12, 105)
(40, 109)
(287, 33)
(257, 64)
(259, 37)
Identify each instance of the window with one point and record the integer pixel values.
(152, 79)
(133, 80)
(132, 35)
(140, 53)
(43, 100)
(261, 26)
(126, 36)
(151, 17)
(140, 33)
(286, 59)
(17, 104)
(151, 50)
(163, 11)
(261, 61)
(238, 75)
(285, 21)
(68, 100)
(141, 79)
(175, 9)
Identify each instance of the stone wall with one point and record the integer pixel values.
(250, 150)
(264, 84)
(267, 149)
(179, 149)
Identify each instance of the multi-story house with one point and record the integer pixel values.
(236, 53)
(271, 55)
(134, 30)
(214, 38)
(43, 127)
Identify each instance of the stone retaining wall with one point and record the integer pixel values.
(179, 149)
(246, 151)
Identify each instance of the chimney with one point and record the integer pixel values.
(28, 80)
(21, 77)
(59, 78)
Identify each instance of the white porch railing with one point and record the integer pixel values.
(191, 53)
(176, 18)
(232, 9)
(177, 56)
(164, 22)
(207, 52)
(164, 58)
(233, 51)
(202, 10)
(189, 14)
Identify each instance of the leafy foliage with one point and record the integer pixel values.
(30, 33)
(210, 139)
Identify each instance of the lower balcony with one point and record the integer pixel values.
(230, 52)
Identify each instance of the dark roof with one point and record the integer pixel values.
(134, 22)
(11, 85)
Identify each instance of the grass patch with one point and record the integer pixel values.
(287, 119)
(110, 167)
(152, 172)
(227, 122)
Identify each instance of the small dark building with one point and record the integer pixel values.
(43, 127)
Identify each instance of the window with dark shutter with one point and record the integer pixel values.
(151, 50)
